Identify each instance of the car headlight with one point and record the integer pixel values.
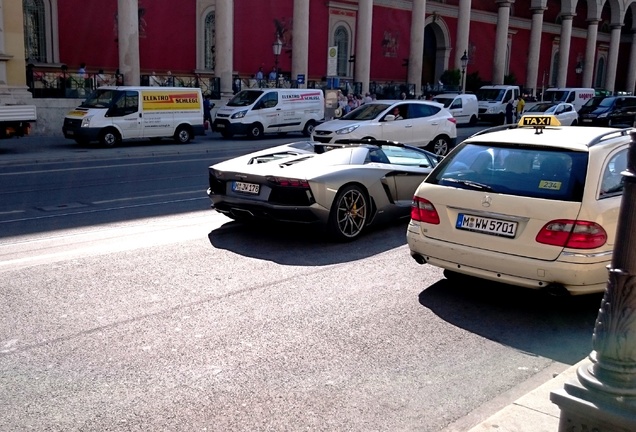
(603, 115)
(86, 121)
(347, 130)
(491, 110)
(239, 114)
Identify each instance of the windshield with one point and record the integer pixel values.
(444, 101)
(490, 94)
(245, 98)
(512, 169)
(101, 99)
(555, 95)
(366, 112)
(542, 107)
(599, 101)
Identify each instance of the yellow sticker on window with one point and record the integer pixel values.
(551, 185)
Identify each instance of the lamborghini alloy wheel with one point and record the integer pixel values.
(349, 213)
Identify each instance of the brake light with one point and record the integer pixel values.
(573, 234)
(289, 182)
(424, 211)
(452, 120)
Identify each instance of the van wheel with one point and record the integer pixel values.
(473, 120)
(109, 138)
(440, 145)
(255, 131)
(309, 128)
(227, 134)
(183, 135)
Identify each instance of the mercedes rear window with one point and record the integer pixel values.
(536, 172)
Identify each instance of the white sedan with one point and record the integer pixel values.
(564, 112)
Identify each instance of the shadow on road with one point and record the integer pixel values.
(303, 245)
(559, 328)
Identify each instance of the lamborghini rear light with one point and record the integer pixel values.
(424, 211)
(289, 182)
(573, 234)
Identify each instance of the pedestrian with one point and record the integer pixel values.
(521, 103)
(259, 74)
(207, 111)
(82, 71)
(273, 74)
(510, 109)
(403, 96)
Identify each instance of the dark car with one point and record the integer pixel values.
(608, 111)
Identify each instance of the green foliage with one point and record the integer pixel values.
(473, 82)
(451, 77)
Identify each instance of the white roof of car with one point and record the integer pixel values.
(578, 138)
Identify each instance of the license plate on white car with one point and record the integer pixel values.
(486, 225)
(250, 188)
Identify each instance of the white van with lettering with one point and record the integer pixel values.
(254, 112)
(463, 107)
(577, 96)
(492, 101)
(112, 114)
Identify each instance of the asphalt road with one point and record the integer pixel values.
(173, 317)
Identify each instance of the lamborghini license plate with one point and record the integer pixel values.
(250, 188)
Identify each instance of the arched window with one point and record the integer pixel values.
(210, 41)
(341, 40)
(600, 73)
(34, 30)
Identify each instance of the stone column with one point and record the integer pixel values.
(612, 60)
(363, 43)
(225, 46)
(300, 40)
(590, 53)
(416, 52)
(128, 40)
(564, 50)
(463, 31)
(532, 70)
(631, 70)
(3, 64)
(501, 41)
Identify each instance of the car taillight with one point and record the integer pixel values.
(452, 120)
(424, 211)
(573, 234)
(289, 182)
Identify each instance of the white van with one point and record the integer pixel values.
(492, 101)
(577, 96)
(111, 114)
(463, 107)
(254, 112)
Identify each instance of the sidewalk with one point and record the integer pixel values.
(533, 412)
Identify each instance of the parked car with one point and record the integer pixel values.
(423, 124)
(536, 210)
(464, 107)
(617, 111)
(345, 187)
(564, 112)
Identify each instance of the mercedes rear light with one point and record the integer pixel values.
(574, 234)
(424, 211)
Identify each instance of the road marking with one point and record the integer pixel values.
(144, 197)
(12, 212)
(106, 166)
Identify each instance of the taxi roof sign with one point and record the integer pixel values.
(539, 121)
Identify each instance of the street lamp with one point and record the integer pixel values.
(578, 70)
(276, 48)
(464, 61)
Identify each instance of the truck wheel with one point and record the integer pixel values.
(309, 128)
(255, 131)
(183, 135)
(109, 138)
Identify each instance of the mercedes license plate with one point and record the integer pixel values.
(486, 225)
(250, 188)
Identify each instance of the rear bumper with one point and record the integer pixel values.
(249, 209)
(577, 275)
